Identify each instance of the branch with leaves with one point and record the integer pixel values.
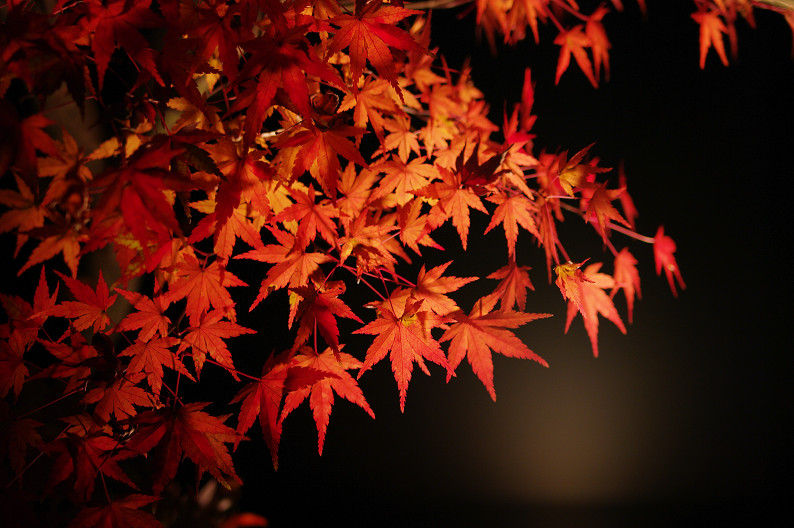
(276, 157)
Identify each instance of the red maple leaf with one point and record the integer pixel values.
(186, 431)
(316, 311)
(119, 513)
(118, 397)
(149, 316)
(574, 41)
(117, 24)
(149, 358)
(319, 152)
(627, 204)
(85, 451)
(593, 301)
(74, 359)
(476, 335)
(321, 392)
(407, 339)
(137, 192)
(226, 233)
(280, 59)
(371, 35)
(263, 397)
(19, 434)
(89, 309)
(663, 249)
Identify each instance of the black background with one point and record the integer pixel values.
(685, 418)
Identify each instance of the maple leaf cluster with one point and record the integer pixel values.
(319, 147)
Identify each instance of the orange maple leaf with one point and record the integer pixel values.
(66, 242)
(366, 241)
(477, 335)
(414, 229)
(204, 286)
(599, 207)
(356, 186)
(454, 201)
(627, 278)
(225, 234)
(403, 178)
(711, 30)
(569, 280)
(24, 212)
(594, 29)
(207, 337)
(321, 393)
(317, 309)
(511, 212)
(407, 339)
(371, 104)
(431, 287)
(663, 249)
(292, 268)
(320, 150)
(574, 41)
(594, 301)
(13, 370)
(149, 357)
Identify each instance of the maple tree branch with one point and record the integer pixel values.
(44, 406)
(421, 4)
(633, 234)
(617, 227)
(227, 369)
(775, 5)
(569, 9)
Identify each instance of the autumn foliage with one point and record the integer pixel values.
(321, 147)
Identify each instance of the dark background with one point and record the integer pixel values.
(682, 420)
